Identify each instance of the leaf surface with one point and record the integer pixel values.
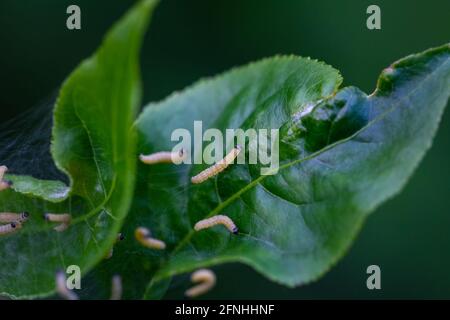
(341, 157)
(93, 144)
(264, 94)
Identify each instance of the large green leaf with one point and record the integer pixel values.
(340, 158)
(266, 92)
(93, 144)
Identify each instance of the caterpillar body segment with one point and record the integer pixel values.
(218, 167)
(116, 288)
(142, 233)
(143, 236)
(215, 220)
(10, 228)
(3, 170)
(154, 244)
(64, 218)
(61, 227)
(7, 217)
(61, 287)
(164, 157)
(206, 279)
(120, 237)
(5, 184)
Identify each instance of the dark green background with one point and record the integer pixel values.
(408, 237)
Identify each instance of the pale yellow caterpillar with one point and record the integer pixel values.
(5, 185)
(61, 287)
(116, 288)
(163, 157)
(218, 167)
(3, 170)
(61, 227)
(143, 235)
(10, 228)
(219, 219)
(64, 218)
(207, 280)
(119, 237)
(6, 217)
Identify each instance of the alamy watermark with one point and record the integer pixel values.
(73, 21)
(258, 146)
(74, 277)
(373, 22)
(374, 280)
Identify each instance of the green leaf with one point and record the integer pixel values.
(341, 157)
(266, 92)
(48, 190)
(93, 144)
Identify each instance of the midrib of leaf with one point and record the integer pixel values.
(94, 153)
(100, 206)
(255, 182)
(113, 183)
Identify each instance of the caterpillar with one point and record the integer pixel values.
(61, 227)
(61, 287)
(120, 237)
(10, 228)
(64, 218)
(143, 236)
(218, 167)
(5, 184)
(206, 279)
(219, 219)
(3, 170)
(6, 217)
(164, 157)
(116, 288)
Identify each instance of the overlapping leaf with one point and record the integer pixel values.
(267, 92)
(340, 158)
(341, 155)
(93, 144)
